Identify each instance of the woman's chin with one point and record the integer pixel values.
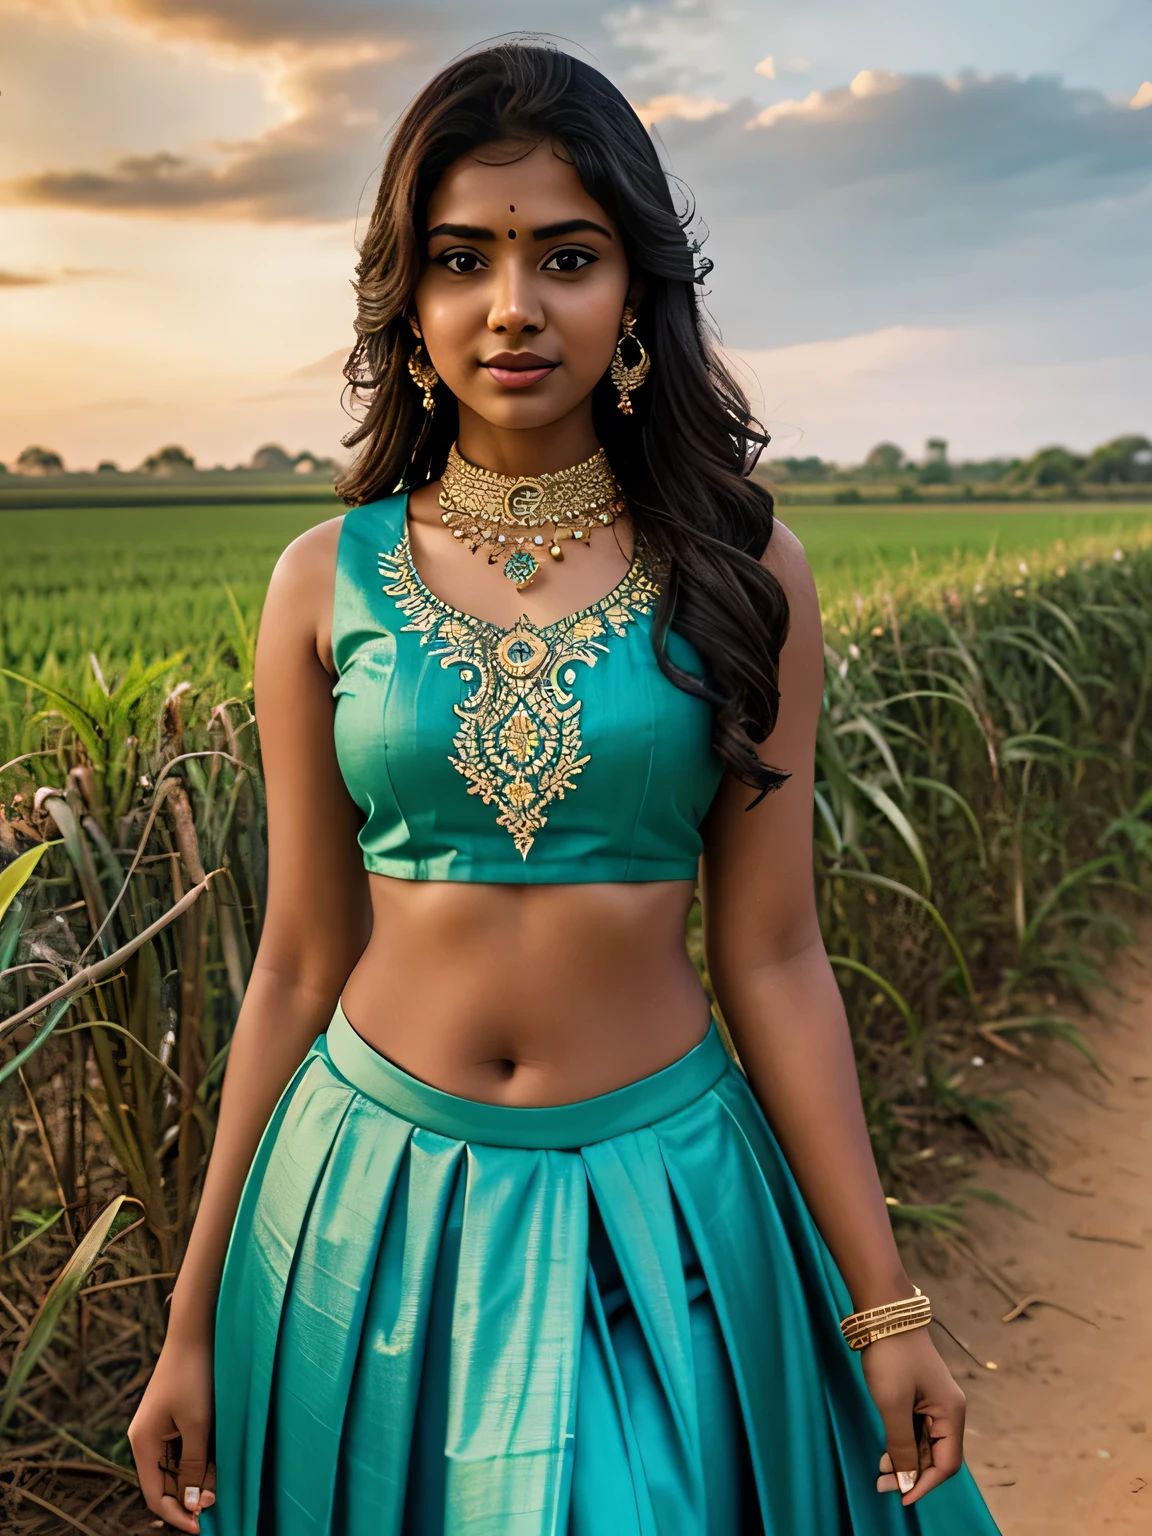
(521, 410)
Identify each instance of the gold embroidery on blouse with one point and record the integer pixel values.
(519, 742)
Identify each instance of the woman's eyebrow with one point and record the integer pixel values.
(545, 232)
(461, 232)
(568, 227)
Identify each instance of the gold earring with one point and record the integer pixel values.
(629, 377)
(424, 375)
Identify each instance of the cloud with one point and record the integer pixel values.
(331, 71)
(245, 24)
(914, 144)
(10, 279)
(906, 143)
(309, 168)
(916, 199)
(327, 369)
(693, 109)
(770, 67)
(22, 279)
(321, 379)
(1143, 97)
(658, 49)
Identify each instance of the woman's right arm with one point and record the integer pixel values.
(316, 925)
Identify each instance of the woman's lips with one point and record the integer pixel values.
(514, 373)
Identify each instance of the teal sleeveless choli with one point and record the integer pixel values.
(613, 1317)
(555, 752)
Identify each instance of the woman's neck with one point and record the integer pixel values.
(527, 451)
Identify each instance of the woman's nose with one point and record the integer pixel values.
(515, 304)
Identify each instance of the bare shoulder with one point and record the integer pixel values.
(300, 591)
(785, 558)
(310, 555)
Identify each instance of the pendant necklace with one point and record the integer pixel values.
(503, 513)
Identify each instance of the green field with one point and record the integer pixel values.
(113, 580)
(851, 550)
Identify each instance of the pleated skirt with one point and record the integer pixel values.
(615, 1317)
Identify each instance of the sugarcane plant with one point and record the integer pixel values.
(983, 818)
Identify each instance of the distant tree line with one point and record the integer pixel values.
(172, 461)
(1125, 460)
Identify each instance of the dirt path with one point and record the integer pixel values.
(1060, 1434)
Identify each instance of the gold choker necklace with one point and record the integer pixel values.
(479, 505)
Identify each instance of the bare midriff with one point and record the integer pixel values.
(528, 995)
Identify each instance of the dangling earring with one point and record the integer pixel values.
(628, 378)
(424, 375)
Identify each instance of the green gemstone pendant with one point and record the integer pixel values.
(520, 567)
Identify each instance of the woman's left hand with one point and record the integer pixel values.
(923, 1413)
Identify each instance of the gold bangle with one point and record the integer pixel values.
(863, 1328)
(861, 1323)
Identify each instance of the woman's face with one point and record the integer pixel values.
(524, 284)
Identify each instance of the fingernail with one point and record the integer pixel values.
(906, 1481)
(191, 1498)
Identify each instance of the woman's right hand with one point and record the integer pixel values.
(178, 1401)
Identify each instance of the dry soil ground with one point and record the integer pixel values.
(1060, 1433)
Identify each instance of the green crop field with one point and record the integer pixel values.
(852, 550)
(155, 579)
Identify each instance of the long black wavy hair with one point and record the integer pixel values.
(683, 459)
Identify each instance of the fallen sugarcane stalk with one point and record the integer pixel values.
(61, 1433)
(74, 1466)
(61, 1514)
(61, 998)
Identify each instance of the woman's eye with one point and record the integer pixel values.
(460, 261)
(568, 261)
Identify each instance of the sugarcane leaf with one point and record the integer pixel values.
(845, 962)
(85, 724)
(862, 726)
(1061, 617)
(14, 876)
(63, 1290)
(937, 786)
(889, 809)
(242, 631)
(137, 682)
(829, 820)
(55, 1014)
(1059, 891)
(1032, 647)
(1054, 1024)
(42, 1224)
(900, 889)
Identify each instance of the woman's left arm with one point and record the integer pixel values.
(780, 1001)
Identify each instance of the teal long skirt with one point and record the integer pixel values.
(440, 1317)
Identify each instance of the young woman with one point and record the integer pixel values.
(495, 1239)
